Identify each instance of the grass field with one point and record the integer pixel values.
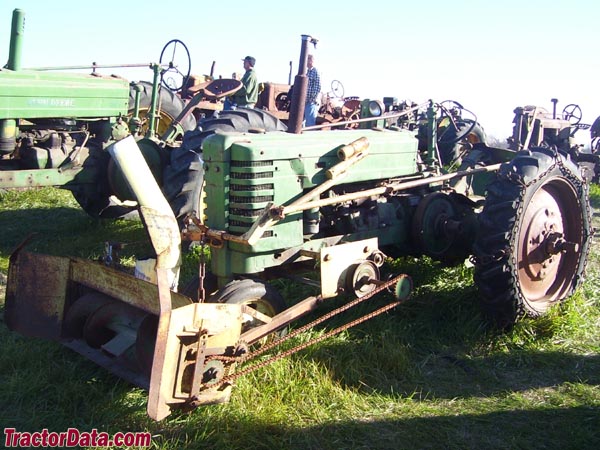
(427, 375)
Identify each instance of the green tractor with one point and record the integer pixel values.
(325, 209)
(55, 127)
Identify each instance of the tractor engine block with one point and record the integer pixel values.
(45, 149)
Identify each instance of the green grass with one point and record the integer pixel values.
(427, 375)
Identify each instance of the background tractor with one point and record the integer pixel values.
(535, 126)
(325, 209)
(55, 126)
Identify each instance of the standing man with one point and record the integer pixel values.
(248, 94)
(312, 93)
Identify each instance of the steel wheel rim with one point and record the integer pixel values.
(547, 277)
(262, 306)
(162, 125)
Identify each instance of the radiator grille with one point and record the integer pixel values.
(251, 163)
(250, 199)
(250, 176)
(245, 212)
(253, 196)
(254, 187)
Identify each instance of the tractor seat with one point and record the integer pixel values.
(218, 88)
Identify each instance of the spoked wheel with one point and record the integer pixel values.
(176, 55)
(534, 236)
(257, 295)
(351, 111)
(337, 88)
(572, 113)
(457, 137)
(453, 128)
(455, 131)
(283, 101)
(169, 104)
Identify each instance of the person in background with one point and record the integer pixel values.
(247, 96)
(312, 93)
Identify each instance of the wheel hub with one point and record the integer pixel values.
(547, 252)
(537, 261)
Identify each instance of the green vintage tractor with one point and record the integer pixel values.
(55, 126)
(325, 209)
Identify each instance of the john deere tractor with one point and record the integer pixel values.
(55, 127)
(324, 208)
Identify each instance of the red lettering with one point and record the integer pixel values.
(142, 440)
(72, 437)
(55, 439)
(103, 440)
(129, 439)
(45, 437)
(25, 439)
(9, 434)
(36, 439)
(85, 440)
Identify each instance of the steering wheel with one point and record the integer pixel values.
(572, 113)
(452, 110)
(174, 75)
(337, 89)
(282, 101)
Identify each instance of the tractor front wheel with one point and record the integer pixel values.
(534, 236)
(253, 293)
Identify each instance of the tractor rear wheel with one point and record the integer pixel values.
(184, 176)
(98, 200)
(534, 236)
(170, 106)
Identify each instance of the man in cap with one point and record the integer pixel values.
(248, 94)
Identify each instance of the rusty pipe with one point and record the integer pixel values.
(282, 212)
(155, 210)
(300, 86)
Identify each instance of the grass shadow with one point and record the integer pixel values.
(529, 428)
(80, 235)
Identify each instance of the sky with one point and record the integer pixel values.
(489, 56)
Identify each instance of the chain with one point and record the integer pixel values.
(230, 378)
(576, 181)
(202, 272)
